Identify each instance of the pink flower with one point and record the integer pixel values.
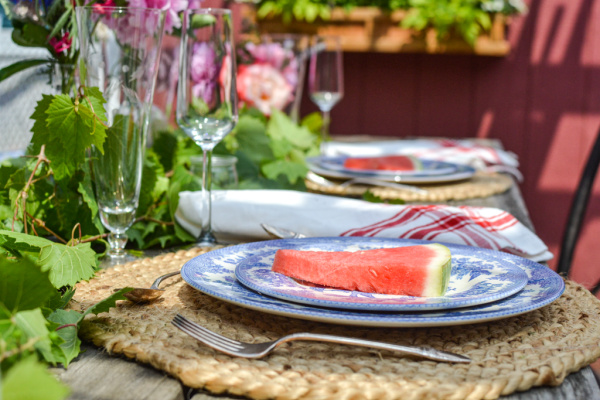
(203, 71)
(202, 62)
(173, 7)
(225, 76)
(100, 8)
(62, 44)
(264, 87)
(277, 56)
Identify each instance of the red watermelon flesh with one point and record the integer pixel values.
(387, 163)
(422, 270)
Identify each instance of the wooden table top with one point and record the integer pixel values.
(96, 375)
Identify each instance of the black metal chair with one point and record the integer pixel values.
(577, 212)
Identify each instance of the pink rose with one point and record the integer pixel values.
(271, 53)
(264, 87)
(276, 55)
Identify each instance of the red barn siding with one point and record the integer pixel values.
(542, 101)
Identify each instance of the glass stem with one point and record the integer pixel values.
(325, 130)
(117, 242)
(206, 236)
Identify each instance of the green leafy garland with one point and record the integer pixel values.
(37, 277)
(51, 236)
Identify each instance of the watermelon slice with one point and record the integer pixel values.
(386, 163)
(422, 270)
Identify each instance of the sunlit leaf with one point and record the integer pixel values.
(17, 384)
(23, 286)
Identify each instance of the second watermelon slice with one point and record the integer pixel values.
(384, 163)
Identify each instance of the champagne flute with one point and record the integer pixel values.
(119, 54)
(326, 78)
(206, 92)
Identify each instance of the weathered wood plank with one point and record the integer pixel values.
(96, 375)
(581, 385)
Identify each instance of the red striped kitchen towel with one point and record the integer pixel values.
(238, 214)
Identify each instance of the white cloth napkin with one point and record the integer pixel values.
(450, 150)
(239, 213)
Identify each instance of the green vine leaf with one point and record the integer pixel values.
(67, 321)
(34, 326)
(67, 264)
(19, 66)
(74, 126)
(283, 128)
(41, 133)
(17, 383)
(23, 286)
(68, 128)
(292, 170)
(106, 304)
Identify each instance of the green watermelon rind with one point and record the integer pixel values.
(439, 268)
(417, 163)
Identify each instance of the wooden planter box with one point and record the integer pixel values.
(370, 29)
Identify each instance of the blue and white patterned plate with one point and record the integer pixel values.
(459, 172)
(213, 273)
(470, 284)
(429, 167)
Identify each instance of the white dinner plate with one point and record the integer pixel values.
(213, 273)
(470, 284)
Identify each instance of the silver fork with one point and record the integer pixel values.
(257, 350)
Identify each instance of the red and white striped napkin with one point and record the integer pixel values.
(457, 151)
(238, 214)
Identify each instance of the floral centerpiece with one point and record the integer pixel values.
(271, 73)
(50, 233)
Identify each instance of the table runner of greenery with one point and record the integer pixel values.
(51, 236)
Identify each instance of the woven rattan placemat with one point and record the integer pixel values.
(482, 184)
(538, 348)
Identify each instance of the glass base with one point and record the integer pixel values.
(206, 239)
(109, 262)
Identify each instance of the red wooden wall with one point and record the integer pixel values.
(542, 101)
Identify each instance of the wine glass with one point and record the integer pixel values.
(326, 77)
(119, 54)
(206, 92)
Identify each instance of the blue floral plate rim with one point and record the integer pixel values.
(461, 172)
(469, 285)
(213, 273)
(430, 167)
